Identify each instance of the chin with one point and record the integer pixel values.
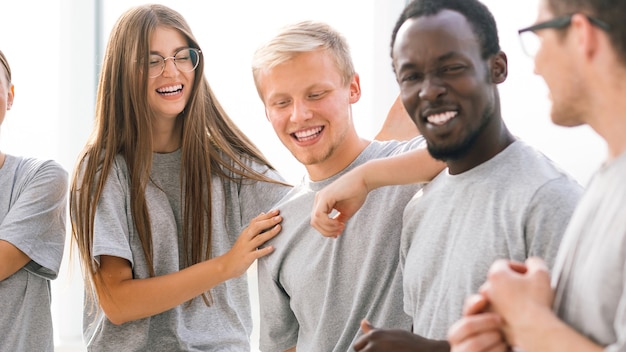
(566, 119)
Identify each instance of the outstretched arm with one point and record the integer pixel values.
(348, 193)
(124, 298)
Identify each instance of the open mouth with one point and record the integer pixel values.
(170, 90)
(307, 134)
(442, 118)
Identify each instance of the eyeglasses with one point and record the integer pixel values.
(531, 42)
(185, 60)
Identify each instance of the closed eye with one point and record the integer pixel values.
(317, 95)
(155, 61)
(415, 76)
(452, 69)
(281, 103)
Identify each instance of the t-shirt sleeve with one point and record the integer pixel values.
(279, 326)
(257, 196)
(112, 224)
(550, 210)
(36, 221)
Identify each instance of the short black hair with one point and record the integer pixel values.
(476, 13)
(610, 12)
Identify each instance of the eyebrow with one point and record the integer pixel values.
(448, 55)
(174, 52)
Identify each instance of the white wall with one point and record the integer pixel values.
(52, 47)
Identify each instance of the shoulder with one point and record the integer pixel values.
(48, 170)
(386, 148)
(529, 164)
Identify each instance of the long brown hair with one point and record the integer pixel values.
(211, 143)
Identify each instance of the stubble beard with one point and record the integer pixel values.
(459, 150)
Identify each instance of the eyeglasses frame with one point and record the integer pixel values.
(196, 50)
(561, 22)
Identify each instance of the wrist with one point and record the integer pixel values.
(537, 323)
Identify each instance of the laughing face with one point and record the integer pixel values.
(445, 84)
(169, 92)
(309, 107)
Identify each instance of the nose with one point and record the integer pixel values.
(432, 88)
(300, 111)
(169, 69)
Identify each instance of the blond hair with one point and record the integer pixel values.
(301, 37)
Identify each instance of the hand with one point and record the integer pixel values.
(517, 293)
(478, 330)
(396, 340)
(247, 247)
(346, 195)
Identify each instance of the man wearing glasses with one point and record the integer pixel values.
(581, 54)
(498, 198)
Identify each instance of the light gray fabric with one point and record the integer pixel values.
(225, 325)
(33, 196)
(314, 290)
(590, 270)
(513, 206)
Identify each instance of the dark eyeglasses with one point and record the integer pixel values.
(530, 41)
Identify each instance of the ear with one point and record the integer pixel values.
(355, 89)
(10, 96)
(499, 68)
(586, 35)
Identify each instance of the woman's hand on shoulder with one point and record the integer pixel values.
(249, 246)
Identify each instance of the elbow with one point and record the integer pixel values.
(115, 316)
(115, 313)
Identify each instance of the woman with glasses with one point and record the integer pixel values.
(33, 196)
(161, 196)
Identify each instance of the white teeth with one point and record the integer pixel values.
(170, 89)
(308, 134)
(441, 119)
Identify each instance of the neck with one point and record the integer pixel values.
(167, 136)
(605, 81)
(488, 144)
(2, 158)
(606, 113)
(610, 124)
(339, 160)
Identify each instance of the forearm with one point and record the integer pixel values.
(411, 167)
(440, 346)
(131, 299)
(547, 333)
(11, 259)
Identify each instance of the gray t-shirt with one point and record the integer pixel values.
(590, 269)
(225, 325)
(314, 290)
(515, 205)
(33, 196)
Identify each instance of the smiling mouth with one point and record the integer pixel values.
(170, 90)
(308, 134)
(441, 118)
